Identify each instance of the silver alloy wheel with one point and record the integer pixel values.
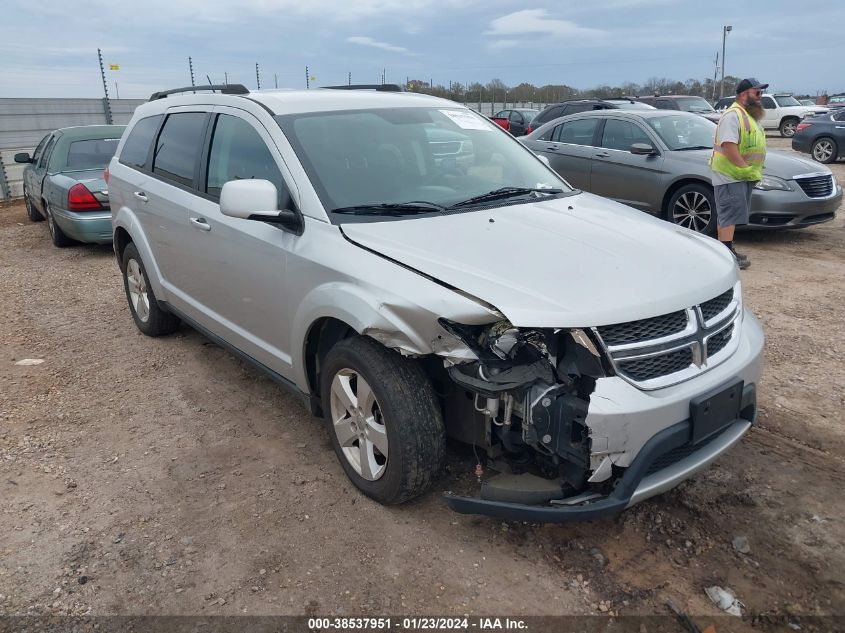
(692, 210)
(137, 290)
(823, 150)
(358, 424)
(788, 129)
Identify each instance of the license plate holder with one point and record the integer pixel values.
(713, 411)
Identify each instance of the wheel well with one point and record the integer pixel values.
(323, 334)
(121, 241)
(789, 117)
(677, 185)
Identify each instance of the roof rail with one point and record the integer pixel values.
(226, 89)
(376, 87)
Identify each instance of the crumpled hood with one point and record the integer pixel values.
(569, 262)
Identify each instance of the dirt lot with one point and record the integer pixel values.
(143, 476)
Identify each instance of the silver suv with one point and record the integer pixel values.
(592, 356)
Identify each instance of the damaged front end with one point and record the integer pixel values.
(524, 401)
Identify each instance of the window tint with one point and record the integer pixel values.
(501, 114)
(580, 107)
(137, 146)
(578, 132)
(515, 117)
(769, 103)
(45, 157)
(37, 153)
(179, 146)
(647, 100)
(839, 116)
(622, 134)
(237, 153)
(551, 113)
(664, 104)
(91, 153)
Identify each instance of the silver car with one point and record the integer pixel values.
(657, 162)
(320, 236)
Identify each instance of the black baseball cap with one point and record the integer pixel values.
(748, 84)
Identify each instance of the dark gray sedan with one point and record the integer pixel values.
(657, 161)
(63, 183)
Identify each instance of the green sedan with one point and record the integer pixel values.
(63, 183)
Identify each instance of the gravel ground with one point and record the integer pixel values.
(164, 476)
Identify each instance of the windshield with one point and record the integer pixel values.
(393, 156)
(694, 104)
(684, 131)
(785, 102)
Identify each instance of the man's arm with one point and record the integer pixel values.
(731, 152)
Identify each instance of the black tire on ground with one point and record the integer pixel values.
(31, 212)
(58, 236)
(409, 410)
(159, 322)
(698, 198)
(787, 127)
(825, 150)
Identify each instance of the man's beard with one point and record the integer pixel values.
(755, 109)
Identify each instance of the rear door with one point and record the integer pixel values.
(628, 178)
(569, 150)
(237, 268)
(517, 123)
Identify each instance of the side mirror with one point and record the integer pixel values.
(23, 157)
(642, 149)
(254, 200)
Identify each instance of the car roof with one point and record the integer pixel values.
(281, 102)
(91, 131)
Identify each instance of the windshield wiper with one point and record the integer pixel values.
(504, 193)
(395, 208)
(688, 147)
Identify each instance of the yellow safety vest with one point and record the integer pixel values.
(752, 148)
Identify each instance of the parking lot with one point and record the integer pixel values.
(150, 476)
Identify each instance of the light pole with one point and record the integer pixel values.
(725, 31)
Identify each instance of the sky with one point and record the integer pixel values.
(48, 48)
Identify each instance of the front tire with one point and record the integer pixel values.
(150, 318)
(825, 150)
(31, 212)
(787, 127)
(60, 240)
(693, 206)
(383, 419)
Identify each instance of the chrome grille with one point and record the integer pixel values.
(714, 307)
(670, 348)
(642, 369)
(635, 331)
(816, 186)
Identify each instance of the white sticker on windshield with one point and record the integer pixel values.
(467, 120)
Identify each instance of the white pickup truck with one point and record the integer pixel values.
(783, 112)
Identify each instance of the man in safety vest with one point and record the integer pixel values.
(739, 152)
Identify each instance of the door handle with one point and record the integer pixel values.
(602, 155)
(551, 148)
(141, 196)
(201, 224)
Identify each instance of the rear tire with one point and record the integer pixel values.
(693, 206)
(787, 127)
(825, 150)
(150, 318)
(373, 397)
(58, 236)
(31, 212)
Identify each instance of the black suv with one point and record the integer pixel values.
(572, 106)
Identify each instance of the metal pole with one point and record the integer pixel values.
(715, 75)
(725, 31)
(226, 78)
(307, 80)
(116, 91)
(191, 68)
(350, 79)
(106, 104)
(257, 77)
(4, 182)
(276, 80)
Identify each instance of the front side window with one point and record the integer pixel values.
(436, 155)
(621, 135)
(579, 132)
(91, 153)
(239, 153)
(684, 131)
(178, 148)
(769, 103)
(37, 153)
(136, 149)
(45, 157)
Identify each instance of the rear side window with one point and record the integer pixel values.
(137, 146)
(239, 153)
(179, 146)
(578, 132)
(91, 153)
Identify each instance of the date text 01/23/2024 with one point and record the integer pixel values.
(415, 624)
